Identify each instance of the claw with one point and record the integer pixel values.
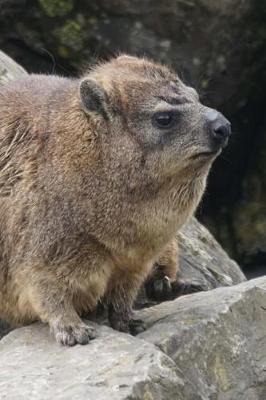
(71, 334)
(180, 288)
(136, 326)
(123, 321)
(164, 289)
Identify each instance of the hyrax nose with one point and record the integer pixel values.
(219, 125)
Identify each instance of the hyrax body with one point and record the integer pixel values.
(96, 176)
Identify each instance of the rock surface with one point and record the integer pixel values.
(115, 366)
(9, 69)
(210, 345)
(217, 340)
(203, 259)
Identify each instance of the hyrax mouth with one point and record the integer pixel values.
(207, 154)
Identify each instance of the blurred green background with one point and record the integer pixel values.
(219, 47)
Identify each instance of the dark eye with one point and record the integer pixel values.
(163, 119)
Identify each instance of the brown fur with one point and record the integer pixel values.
(90, 192)
(168, 260)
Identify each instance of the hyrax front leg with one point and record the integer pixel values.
(120, 302)
(52, 302)
(164, 273)
(164, 283)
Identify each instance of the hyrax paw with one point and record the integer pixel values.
(132, 326)
(180, 287)
(136, 326)
(159, 289)
(124, 322)
(71, 334)
(164, 289)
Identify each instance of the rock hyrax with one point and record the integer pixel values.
(97, 174)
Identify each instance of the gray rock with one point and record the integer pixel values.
(217, 340)
(114, 366)
(9, 69)
(210, 345)
(203, 260)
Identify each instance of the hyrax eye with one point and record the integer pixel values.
(163, 119)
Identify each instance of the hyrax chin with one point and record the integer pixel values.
(97, 174)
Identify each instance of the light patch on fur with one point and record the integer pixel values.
(87, 292)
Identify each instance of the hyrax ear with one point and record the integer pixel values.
(93, 96)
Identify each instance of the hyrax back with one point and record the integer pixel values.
(96, 176)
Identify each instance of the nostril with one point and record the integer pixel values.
(220, 127)
(222, 131)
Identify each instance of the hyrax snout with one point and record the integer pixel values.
(97, 175)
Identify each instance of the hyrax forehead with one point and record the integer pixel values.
(135, 83)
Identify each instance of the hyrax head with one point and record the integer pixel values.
(146, 104)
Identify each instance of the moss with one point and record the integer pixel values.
(147, 395)
(220, 277)
(204, 84)
(221, 373)
(192, 321)
(57, 8)
(250, 226)
(63, 52)
(69, 36)
(3, 72)
(204, 239)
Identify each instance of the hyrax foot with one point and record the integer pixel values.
(162, 289)
(180, 287)
(71, 334)
(136, 326)
(159, 289)
(123, 322)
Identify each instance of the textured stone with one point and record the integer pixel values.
(9, 69)
(203, 260)
(217, 340)
(113, 366)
